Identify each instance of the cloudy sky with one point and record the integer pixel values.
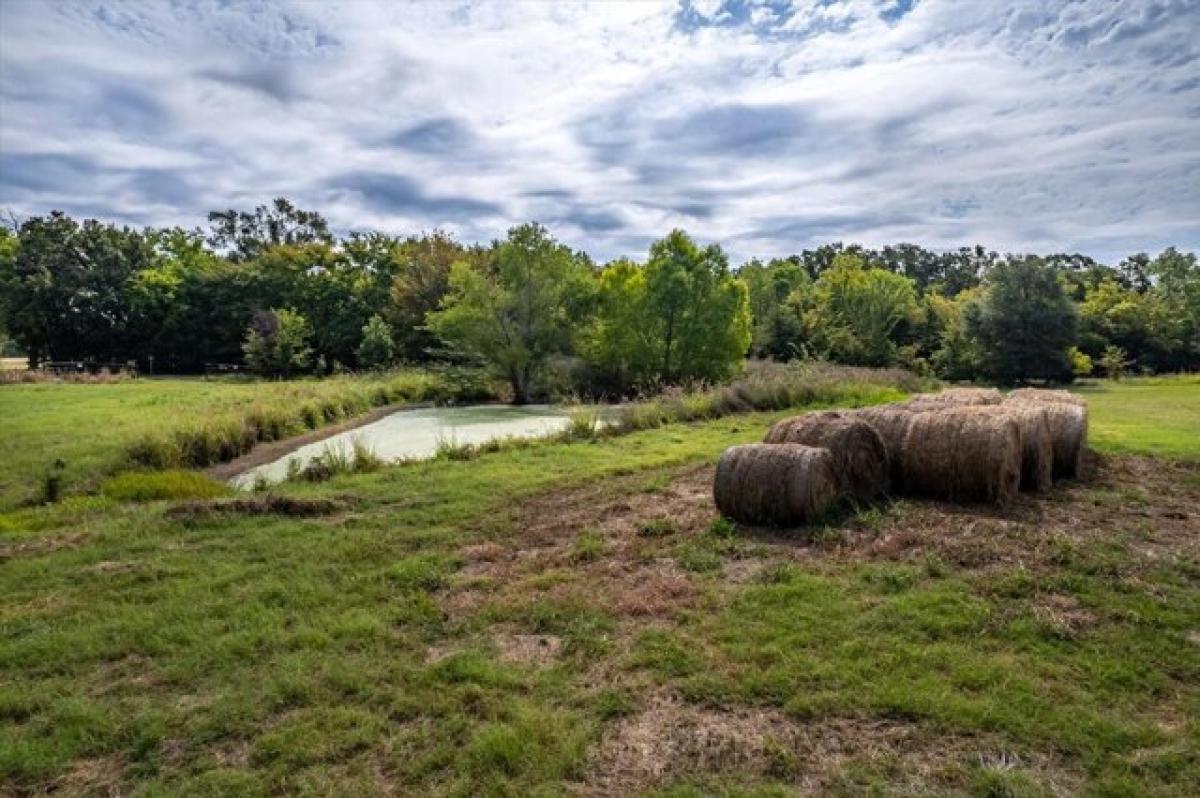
(766, 126)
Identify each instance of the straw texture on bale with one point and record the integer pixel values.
(955, 397)
(779, 484)
(1043, 395)
(1068, 424)
(1037, 443)
(891, 422)
(859, 454)
(962, 455)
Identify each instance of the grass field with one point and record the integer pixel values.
(1157, 415)
(575, 618)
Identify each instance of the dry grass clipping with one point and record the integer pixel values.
(955, 397)
(962, 455)
(1043, 395)
(782, 484)
(1067, 417)
(267, 504)
(1037, 442)
(859, 453)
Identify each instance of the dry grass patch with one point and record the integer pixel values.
(266, 504)
(670, 741)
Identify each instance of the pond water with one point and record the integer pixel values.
(415, 434)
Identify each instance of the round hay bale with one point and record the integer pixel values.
(1068, 433)
(1043, 395)
(962, 455)
(859, 454)
(783, 484)
(955, 397)
(891, 422)
(1037, 443)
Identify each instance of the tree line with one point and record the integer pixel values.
(275, 289)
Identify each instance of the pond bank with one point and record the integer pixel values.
(265, 453)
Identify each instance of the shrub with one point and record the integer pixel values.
(52, 483)
(334, 460)
(142, 486)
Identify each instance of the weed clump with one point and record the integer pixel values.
(143, 486)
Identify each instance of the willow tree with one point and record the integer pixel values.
(516, 314)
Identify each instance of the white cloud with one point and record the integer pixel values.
(767, 126)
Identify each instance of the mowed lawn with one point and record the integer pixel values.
(1153, 415)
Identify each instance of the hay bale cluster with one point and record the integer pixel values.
(963, 444)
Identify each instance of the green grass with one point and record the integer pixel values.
(1152, 415)
(357, 652)
(144, 486)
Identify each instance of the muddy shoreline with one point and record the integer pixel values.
(265, 453)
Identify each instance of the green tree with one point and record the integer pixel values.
(1138, 323)
(246, 234)
(68, 287)
(1081, 362)
(1177, 287)
(277, 343)
(422, 279)
(1114, 362)
(377, 348)
(619, 344)
(9, 244)
(1024, 324)
(956, 356)
(853, 311)
(697, 311)
(776, 330)
(517, 315)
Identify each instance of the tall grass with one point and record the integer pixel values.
(769, 386)
(311, 405)
(358, 458)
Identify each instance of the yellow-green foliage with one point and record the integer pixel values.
(144, 486)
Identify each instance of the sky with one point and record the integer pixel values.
(767, 126)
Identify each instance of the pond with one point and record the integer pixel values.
(416, 434)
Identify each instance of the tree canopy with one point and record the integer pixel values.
(547, 319)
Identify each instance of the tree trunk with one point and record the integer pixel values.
(520, 387)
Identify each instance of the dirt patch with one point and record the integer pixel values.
(98, 776)
(1063, 613)
(267, 504)
(520, 649)
(670, 740)
(629, 528)
(46, 544)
